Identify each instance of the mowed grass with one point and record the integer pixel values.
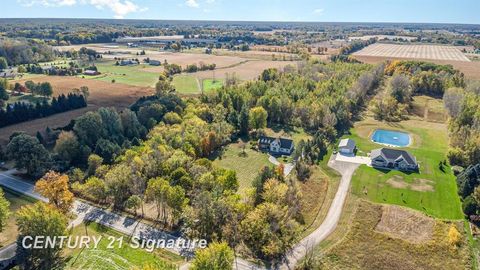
(131, 75)
(246, 166)
(210, 85)
(10, 232)
(125, 257)
(186, 84)
(429, 146)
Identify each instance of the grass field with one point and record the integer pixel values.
(9, 234)
(25, 98)
(210, 85)
(125, 257)
(131, 75)
(246, 167)
(429, 109)
(186, 84)
(432, 190)
(363, 246)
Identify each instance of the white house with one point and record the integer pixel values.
(347, 147)
(278, 146)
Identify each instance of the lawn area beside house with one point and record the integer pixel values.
(433, 190)
(247, 166)
(124, 257)
(10, 232)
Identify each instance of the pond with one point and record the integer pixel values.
(391, 138)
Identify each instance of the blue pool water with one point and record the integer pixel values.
(390, 137)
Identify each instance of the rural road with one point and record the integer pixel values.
(346, 169)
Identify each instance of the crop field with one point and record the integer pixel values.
(435, 52)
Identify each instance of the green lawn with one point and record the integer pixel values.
(125, 257)
(9, 235)
(210, 85)
(431, 190)
(246, 166)
(131, 75)
(186, 84)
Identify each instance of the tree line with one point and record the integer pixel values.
(22, 111)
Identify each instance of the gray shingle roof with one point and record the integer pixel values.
(393, 154)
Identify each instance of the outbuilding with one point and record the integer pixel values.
(347, 147)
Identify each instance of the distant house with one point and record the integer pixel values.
(155, 62)
(8, 73)
(393, 159)
(276, 146)
(347, 147)
(128, 63)
(91, 72)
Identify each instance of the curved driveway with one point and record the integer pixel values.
(346, 169)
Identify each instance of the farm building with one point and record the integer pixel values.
(91, 72)
(128, 63)
(154, 62)
(276, 146)
(347, 147)
(8, 73)
(393, 159)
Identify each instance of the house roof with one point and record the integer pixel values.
(347, 143)
(394, 154)
(283, 142)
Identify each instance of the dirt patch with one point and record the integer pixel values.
(397, 182)
(406, 224)
(247, 71)
(418, 184)
(102, 94)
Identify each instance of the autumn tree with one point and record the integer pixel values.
(54, 187)
(44, 220)
(29, 154)
(454, 237)
(217, 256)
(4, 210)
(67, 147)
(257, 118)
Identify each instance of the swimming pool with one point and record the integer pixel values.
(391, 138)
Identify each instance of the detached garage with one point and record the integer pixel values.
(347, 147)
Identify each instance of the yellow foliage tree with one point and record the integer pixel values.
(454, 236)
(54, 187)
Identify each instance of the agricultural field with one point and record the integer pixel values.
(186, 84)
(435, 52)
(433, 190)
(125, 257)
(131, 75)
(10, 232)
(393, 237)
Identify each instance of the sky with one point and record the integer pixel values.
(420, 11)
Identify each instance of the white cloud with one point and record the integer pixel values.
(47, 3)
(120, 8)
(318, 11)
(192, 3)
(210, 1)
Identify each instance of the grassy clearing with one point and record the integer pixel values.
(125, 257)
(432, 190)
(186, 84)
(9, 234)
(131, 75)
(210, 85)
(246, 166)
(295, 133)
(26, 98)
(429, 109)
(362, 247)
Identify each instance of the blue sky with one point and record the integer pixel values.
(440, 11)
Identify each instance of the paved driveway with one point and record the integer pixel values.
(353, 159)
(346, 169)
